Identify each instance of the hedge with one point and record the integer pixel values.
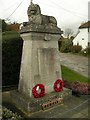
(76, 49)
(11, 57)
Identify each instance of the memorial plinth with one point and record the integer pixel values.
(40, 59)
(40, 83)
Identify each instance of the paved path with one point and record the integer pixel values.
(73, 108)
(75, 62)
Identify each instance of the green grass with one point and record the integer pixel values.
(70, 75)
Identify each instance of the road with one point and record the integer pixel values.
(76, 63)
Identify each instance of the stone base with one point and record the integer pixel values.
(30, 105)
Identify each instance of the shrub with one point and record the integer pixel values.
(5, 26)
(9, 115)
(76, 49)
(66, 45)
(85, 52)
(81, 88)
(11, 57)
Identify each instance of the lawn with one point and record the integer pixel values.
(70, 75)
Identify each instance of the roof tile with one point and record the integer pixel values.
(85, 25)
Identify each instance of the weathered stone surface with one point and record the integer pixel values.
(40, 29)
(40, 58)
(38, 22)
(30, 105)
(35, 16)
(40, 62)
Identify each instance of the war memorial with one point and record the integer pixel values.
(40, 84)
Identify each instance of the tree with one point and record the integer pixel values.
(10, 27)
(4, 25)
(66, 45)
(68, 32)
(0, 24)
(14, 26)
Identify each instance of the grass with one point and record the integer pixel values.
(70, 75)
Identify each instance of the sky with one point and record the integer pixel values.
(69, 13)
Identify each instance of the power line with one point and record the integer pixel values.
(9, 7)
(59, 6)
(15, 10)
(70, 11)
(74, 13)
(77, 12)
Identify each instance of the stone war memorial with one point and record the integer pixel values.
(40, 84)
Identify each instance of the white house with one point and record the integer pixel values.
(83, 37)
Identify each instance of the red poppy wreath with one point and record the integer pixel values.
(58, 85)
(38, 91)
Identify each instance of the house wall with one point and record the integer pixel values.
(82, 38)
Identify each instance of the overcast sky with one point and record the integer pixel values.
(69, 13)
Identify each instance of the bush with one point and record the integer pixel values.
(81, 88)
(11, 57)
(5, 26)
(9, 115)
(76, 49)
(77, 87)
(66, 45)
(85, 52)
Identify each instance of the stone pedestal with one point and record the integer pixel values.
(29, 105)
(40, 58)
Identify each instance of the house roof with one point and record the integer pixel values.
(14, 26)
(85, 25)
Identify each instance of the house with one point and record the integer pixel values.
(83, 36)
(14, 26)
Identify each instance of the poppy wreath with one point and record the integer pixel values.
(61, 85)
(42, 92)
